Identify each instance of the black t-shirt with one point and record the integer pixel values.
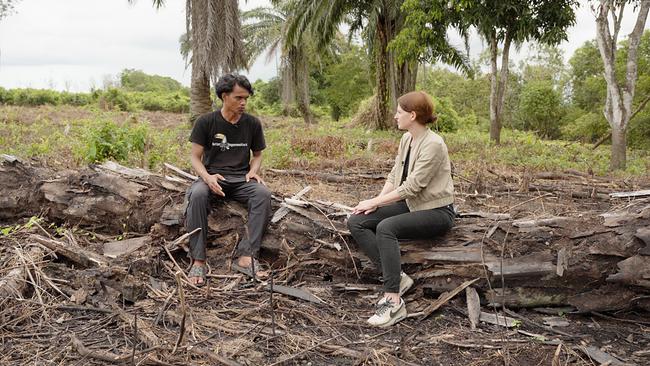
(227, 146)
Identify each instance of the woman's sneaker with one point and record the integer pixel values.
(405, 283)
(388, 313)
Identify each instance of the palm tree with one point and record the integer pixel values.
(379, 22)
(266, 28)
(214, 30)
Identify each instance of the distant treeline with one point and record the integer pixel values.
(134, 90)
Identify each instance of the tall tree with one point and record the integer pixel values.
(266, 28)
(379, 22)
(501, 23)
(620, 91)
(214, 30)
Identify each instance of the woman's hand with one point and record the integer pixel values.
(365, 207)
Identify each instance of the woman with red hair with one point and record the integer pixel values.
(415, 203)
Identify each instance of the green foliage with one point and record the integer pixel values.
(587, 128)
(110, 99)
(8, 230)
(588, 87)
(136, 80)
(103, 140)
(114, 98)
(347, 82)
(469, 96)
(540, 109)
(448, 120)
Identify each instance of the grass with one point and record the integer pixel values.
(68, 138)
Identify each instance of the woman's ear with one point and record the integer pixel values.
(413, 116)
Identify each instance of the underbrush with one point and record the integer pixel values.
(328, 145)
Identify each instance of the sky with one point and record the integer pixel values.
(77, 45)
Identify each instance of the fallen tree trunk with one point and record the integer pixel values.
(539, 260)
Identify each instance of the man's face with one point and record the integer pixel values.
(235, 101)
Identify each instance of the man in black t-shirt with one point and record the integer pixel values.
(222, 142)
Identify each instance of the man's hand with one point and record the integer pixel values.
(251, 175)
(365, 207)
(213, 183)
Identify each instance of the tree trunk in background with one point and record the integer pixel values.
(618, 106)
(382, 121)
(200, 102)
(619, 144)
(498, 85)
(300, 78)
(495, 122)
(288, 93)
(406, 78)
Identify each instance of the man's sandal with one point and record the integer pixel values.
(200, 272)
(247, 270)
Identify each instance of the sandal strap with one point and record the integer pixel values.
(197, 271)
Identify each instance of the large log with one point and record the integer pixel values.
(538, 255)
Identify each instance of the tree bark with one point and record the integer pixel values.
(495, 122)
(619, 147)
(200, 102)
(383, 70)
(300, 79)
(618, 106)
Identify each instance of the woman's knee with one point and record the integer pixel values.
(354, 222)
(387, 228)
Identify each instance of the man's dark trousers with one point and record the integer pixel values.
(254, 194)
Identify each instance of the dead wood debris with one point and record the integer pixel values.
(62, 301)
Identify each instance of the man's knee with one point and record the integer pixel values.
(261, 194)
(199, 191)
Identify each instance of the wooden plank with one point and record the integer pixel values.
(114, 249)
(120, 169)
(444, 298)
(283, 211)
(71, 251)
(501, 320)
(550, 221)
(527, 297)
(642, 193)
(601, 357)
(485, 215)
(473, 306)
(181, 172)
(296, 292)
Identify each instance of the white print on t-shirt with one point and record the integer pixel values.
(222, 143)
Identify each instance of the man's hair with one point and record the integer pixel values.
(227, 83)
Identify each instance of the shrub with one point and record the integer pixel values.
(448, 119)
(540, 109)
(587, 128)
(104, 140)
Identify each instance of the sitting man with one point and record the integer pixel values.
(222, 142)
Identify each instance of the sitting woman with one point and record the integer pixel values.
(415, 203)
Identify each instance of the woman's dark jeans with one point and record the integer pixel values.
(378, 233)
